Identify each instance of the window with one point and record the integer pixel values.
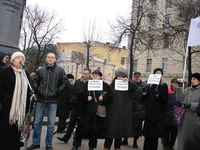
(67, 68)
(149, 65)
(166, 41)
(169, 3)
(152, 20)
(166, 23)
(135, 64)
(153, 2)
(150, 42)
(77, 57)
(123, 60)
(164, 64)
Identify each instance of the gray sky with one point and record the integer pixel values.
(76, 15)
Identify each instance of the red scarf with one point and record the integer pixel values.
(171, 90)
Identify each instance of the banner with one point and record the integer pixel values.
(121, 85)
(194, 33)
(95, 85)
(154, 79)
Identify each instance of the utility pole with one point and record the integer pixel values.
(11, 14)
(189, 65)
(88, 46)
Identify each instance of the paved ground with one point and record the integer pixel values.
(60, 146)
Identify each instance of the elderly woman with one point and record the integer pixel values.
(13, 97)
(190, 134)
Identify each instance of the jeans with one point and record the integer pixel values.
(50, 109)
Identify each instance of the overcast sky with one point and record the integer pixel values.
(76, 15)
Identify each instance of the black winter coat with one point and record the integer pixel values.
(8, 133)
(155, 107)
(90, 124)
(120, 113)
(50, 83)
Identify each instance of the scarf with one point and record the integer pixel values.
(171, 90)
(18, 107)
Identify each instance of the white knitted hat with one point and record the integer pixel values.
(17, 54)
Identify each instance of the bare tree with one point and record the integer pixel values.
(39, 30)
(90, 37)
(133, 29)
(179, 30)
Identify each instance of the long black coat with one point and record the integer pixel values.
(155, 108)
(120, 113)
(90, 124)
(139, 109)
(8, 133)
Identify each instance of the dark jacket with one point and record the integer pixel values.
(172, 103)
(8, 132)
(2, 65)
(92, 124)
(139, 109)
(120, 113)
(50, 83)
(155, 107)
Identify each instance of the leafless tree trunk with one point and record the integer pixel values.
(40, 29)
(90, 37)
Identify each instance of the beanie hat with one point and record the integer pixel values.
(17, 54)
(121, 73)
(98, 72)
(70, 76)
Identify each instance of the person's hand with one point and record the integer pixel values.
(187, 106)
(89, 98)
(101, 98)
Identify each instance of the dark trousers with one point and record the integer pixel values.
(79, 135)
(74, 118)
(63, 114)
(150, 143)
(109, 141)
(170, 136)
(78, 140)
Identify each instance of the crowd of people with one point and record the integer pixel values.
(153, 111)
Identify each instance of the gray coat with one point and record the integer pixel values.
(190, 132)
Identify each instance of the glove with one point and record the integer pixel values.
(187, 106)
(1, 107)
(198, 110)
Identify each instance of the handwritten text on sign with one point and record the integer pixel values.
(95, 85)
(154, 79)
(121, 85)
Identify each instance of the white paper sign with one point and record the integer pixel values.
(194, 33)
(95, 85)
(154, 79)
(121, 85)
